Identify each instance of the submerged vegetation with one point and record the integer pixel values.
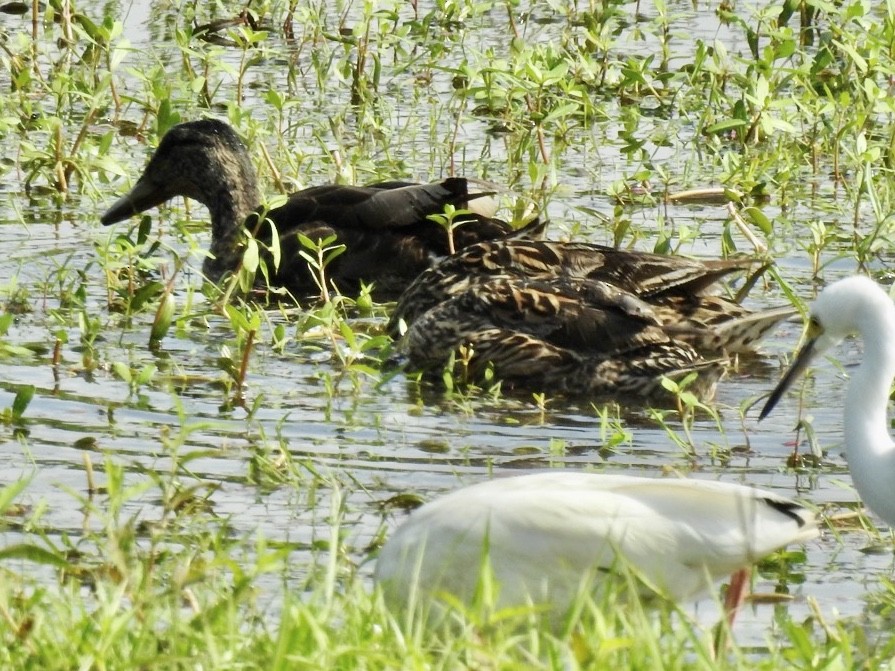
(196, 477)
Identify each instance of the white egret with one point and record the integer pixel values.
(858, 306)
(544, 533)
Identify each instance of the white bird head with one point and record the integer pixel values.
(847, 307)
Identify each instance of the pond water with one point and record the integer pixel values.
(373, 440)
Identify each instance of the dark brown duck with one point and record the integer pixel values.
(385, 227)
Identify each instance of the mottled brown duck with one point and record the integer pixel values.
(385, 228)
(673, 288)
(584, 338)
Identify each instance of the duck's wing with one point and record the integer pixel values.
(590, 316)
(596, 320)
(386, 261)
(384, 206)
(717, 324)
(385, 229)
(641, 273)
(588, 338)
(648, 276)
(526, 363)
(744, 333)
(480, 192)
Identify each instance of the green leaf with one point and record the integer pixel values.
(250, 257)
(318, 244)
(333, 253)
(779, 124)
(238, 320)
(146, 293)
(348, 334)
(146, 373)
(762, 90)
(165, 117)
(275, 99)
(857, 59)
(561, 111)
(275, 252)
(759, 218)
(163, 318)
(88, 26)
(669, 385)
(22, 399)
(9, 492)
(726, 125)
(34, 553)
(122, 370)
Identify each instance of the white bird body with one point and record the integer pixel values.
(545, 533)
(858, 305)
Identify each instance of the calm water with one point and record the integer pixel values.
(384, 440)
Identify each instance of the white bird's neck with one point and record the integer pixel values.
(870, 450)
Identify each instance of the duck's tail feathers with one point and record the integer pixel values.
(743, 334)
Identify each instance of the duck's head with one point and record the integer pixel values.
(204, 160)
(850, 306)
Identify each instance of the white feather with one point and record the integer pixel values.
(546, 532)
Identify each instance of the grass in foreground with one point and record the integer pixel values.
(183, 593)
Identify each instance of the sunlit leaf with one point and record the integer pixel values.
(726, 125)
(35, 554)
(9, 493)
(23, 397)
(122, 370)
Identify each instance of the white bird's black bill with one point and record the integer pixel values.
(803, 358)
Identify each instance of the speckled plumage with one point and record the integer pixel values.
(576, 318)
(557, 338)
(648, 276)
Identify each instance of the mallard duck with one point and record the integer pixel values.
(544, 535)
(582, 338)
(576, 318)
(675, 287)
(858, 306)
(388, 238)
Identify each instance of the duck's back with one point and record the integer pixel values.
(645, 275)
(386, 229)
